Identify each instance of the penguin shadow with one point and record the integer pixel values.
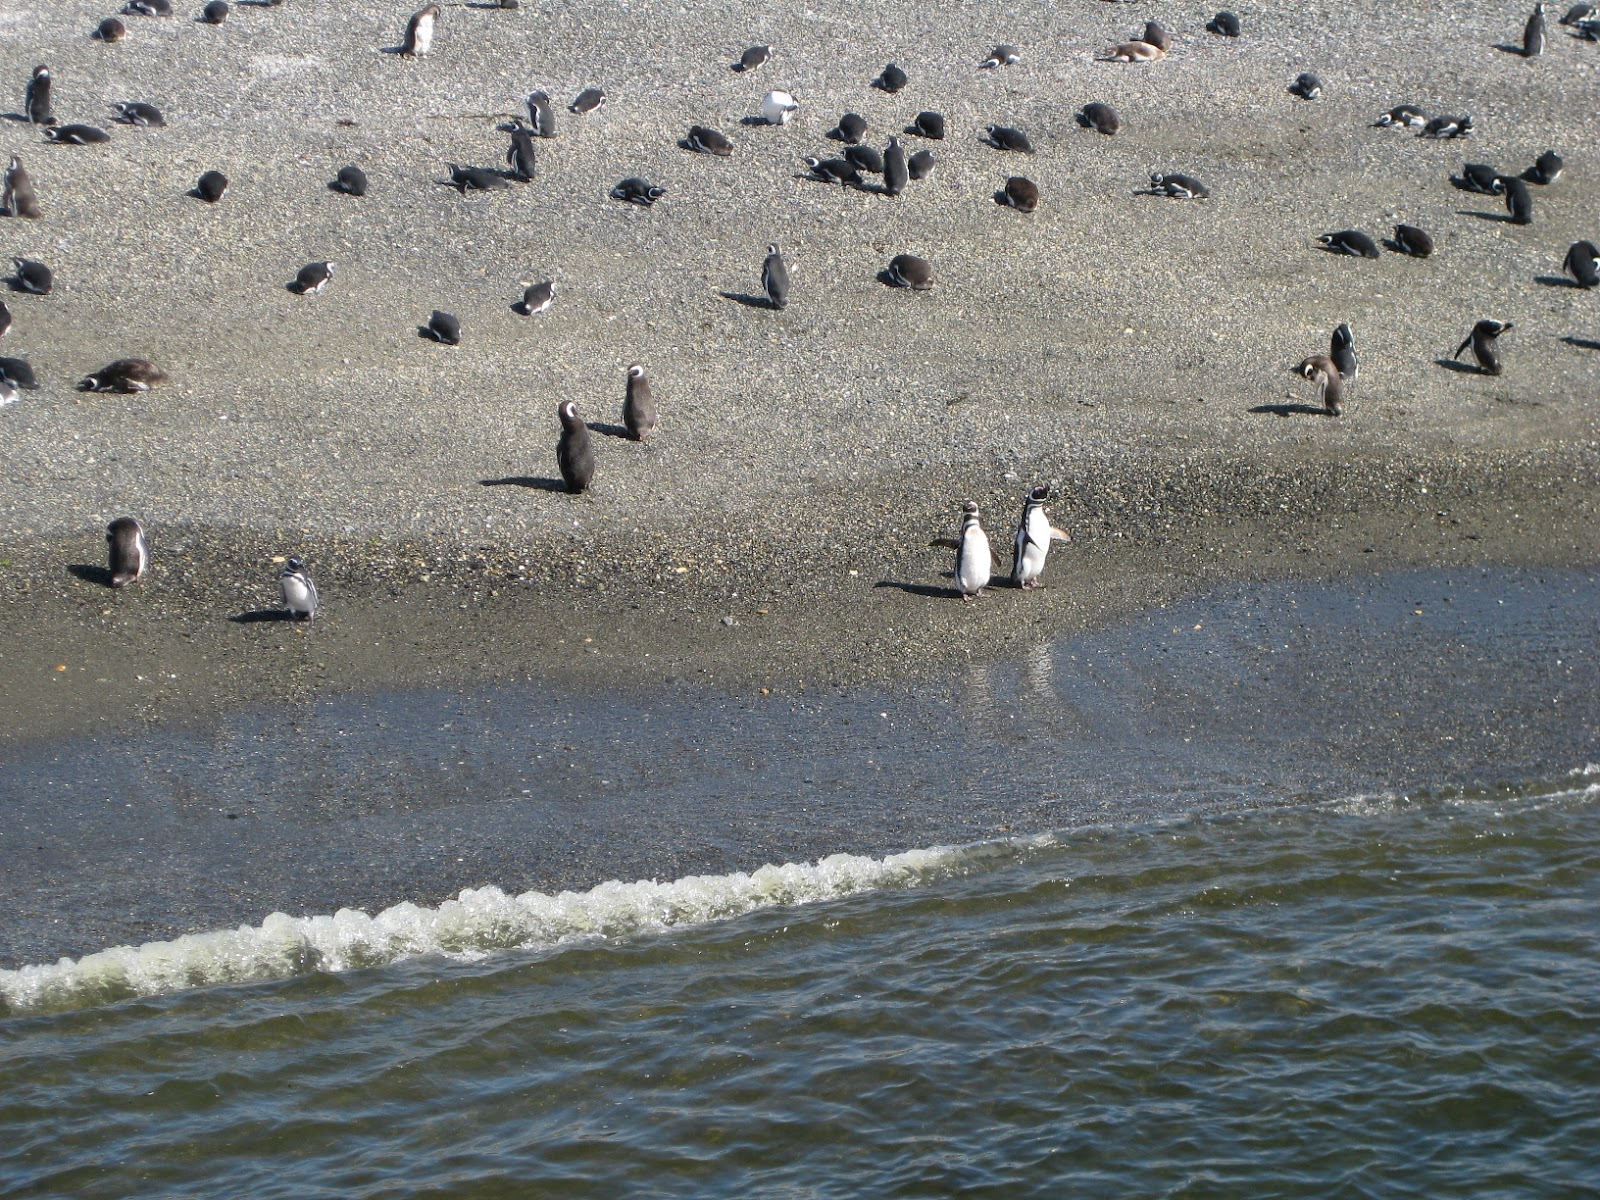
(1558, 281)
(1582, 343)
(1459, 367)
(1508, 48)
(537, 483)
(606, 429)
(1503, 218)
(260, 616)
(22, 117)
(754, 121)
(92, 573)
(928, 591)
(1291, 409)
(748, 300)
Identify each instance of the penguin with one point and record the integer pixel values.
(1178, 186)
(8, 392)
(110, 30)
(1003, 55)
(1132, 52)
(1485, 342)
(1478, 177)
(137, 112)
(1322, 371)
(851, 129)
(1583, 264)
(36, 98)
(1588, 29)
(541, 113)
(1350, 241)
(1343, 352)
(214, 13)
(18, 373)
(705, 140)
(312, 278)
(126, 375)
(638, 405)
(1031, 546)
(1154, 35)
(918, 166)
(19, 199)
(127, 551)
(1413, 241)
(1307, 86)
(590, 100)
(5, 325)
(148, 8)
(634, 190)
(1020, 193)
(1404, 116)
(891, 79)
(778, 107)
(974, 559)
(1519, 201)
(419, 32)
(33, 277)
(299, 593)
(752, 58)
(909, 271)
(1447, 127)
(896, 168)
(1578, 12)
(443, 328)
(536, 297)
(927, 124)
(775, 278)
(77, 135)
(864, 158)
(833, 170)
(520, 156)
(574, 454)
(477, 179)
(1100, 117)
(351, 180)
(1546, 168)
(1533, 33)
(1224, 24)
(1004, 137)
(211, 186)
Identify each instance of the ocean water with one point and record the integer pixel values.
(1286, 892)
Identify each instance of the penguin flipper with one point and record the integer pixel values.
(1059, 535)
(1462, 347)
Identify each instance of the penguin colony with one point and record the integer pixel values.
(894, 172)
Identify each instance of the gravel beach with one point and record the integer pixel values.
(1133, 351)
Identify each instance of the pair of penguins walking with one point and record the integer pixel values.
(128, 551)
(975, 558)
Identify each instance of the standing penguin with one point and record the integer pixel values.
(1343, 352)
(1032, 543)
(974, 559)
(127, 551)
(37, 98)
(541, 113)
(19, 198)
(1519, 201)
(521, 158)
(775, 277)
(638, 405)
(1583, 264)
(896, 173)
(574, 454)
(419, 32)
(1485, 342)
(1533, 33)
(1322, 371)
(299, 593)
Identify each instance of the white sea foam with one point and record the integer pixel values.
(478, 922)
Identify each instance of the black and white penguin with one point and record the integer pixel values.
(1413, 241)
(1031, 546)
(574, 454)
(1533, 33)
(312, 278)
(442, 327)
(928, 125)
(126, 375)
(704, 140)
(1132, 52)
(137, 112)
(1178, 186)
(1004, 137)
(1478, 177)
(778, 107)
(864, 158)
(77, 135)
(1546, 168)
(1448, 127)
(148, 8)
(1343, 352)
(33, 277)
(634, 190)
(536, 297)
(477, 179)
(590, 100)
(1583, 264)
(1003, 55)
(775, 277)
(1322, 371)
(1307, 86)
(752, 58)
(1224, 24)
(36, 98)
(541, 113)
(1578, 12)
(1019, 193)
(896, 168)
(214, 13)
(1100, 117)
(211, 186)
(974, 558)
(918, 166)
(351, 180)
(1402, 116)
(851, 129)
(891, 79)
(110, 30)
(520, 155)
(127, 551)
(833, 170)
(1350, 241)
(299, 593)
(19, 198)
(419, 32)
(1485, 342)
(19, 373)
(638, 404)
(1519, 200)
(1587, 29)
(909, 271)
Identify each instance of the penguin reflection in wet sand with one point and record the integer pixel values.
(1032, 543)
(127, 551)
(419, 32)
(574, 454)
(299, 593)
(1485, 342)
(638, 405)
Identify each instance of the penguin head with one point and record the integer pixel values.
(772, 248)
(569, 415)
(635, 371)
(1040, 493)
(293, 566)
(970, 508)
(41, 72)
